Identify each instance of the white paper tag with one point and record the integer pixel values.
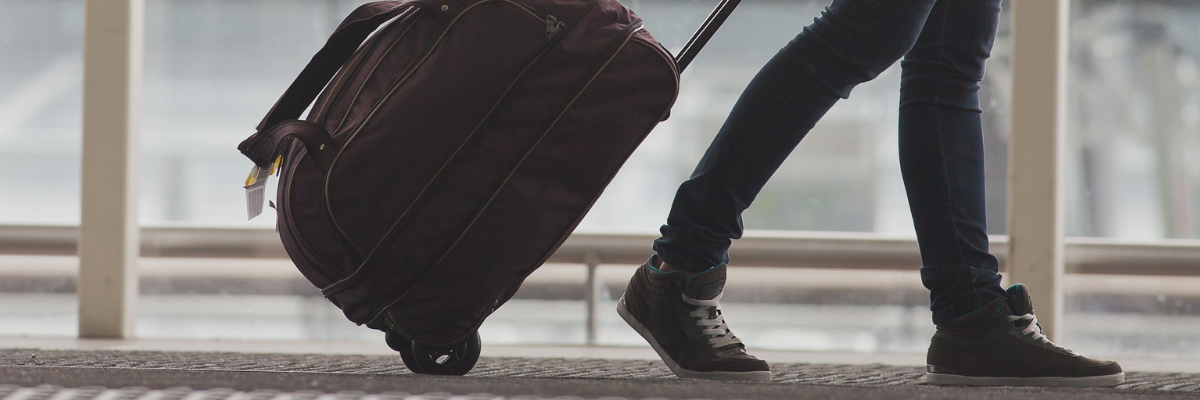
(256, 188)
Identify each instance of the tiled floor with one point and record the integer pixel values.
(27, 374)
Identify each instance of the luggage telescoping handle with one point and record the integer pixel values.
(706, 31)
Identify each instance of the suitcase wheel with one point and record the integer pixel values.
(401, 344)
(455, 359)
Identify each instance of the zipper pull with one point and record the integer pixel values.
(553, 26)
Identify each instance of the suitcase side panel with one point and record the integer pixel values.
(321, 253)
(410, 133)
(545, 198)
(391, 52)
(416, 245)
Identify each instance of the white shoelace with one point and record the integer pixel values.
(708, 317)
(1034, 331)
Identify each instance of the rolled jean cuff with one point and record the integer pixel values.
(688, 253)
(955, 290)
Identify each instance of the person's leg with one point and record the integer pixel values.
(852, 42)
(985, 335)
(678, 312)
(941, 155)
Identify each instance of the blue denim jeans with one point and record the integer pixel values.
(944, 45)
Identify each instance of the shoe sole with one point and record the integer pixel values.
(756, 376)
(1083, 381)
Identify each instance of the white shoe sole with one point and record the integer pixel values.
(1085, 381)
(756, 376)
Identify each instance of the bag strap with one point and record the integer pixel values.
(706, 31)
(262, 146)
(337, 50)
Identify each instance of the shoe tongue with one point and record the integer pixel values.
(706, 285)
(1019, 300)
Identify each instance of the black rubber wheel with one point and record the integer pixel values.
(456, 359)
(403, 345)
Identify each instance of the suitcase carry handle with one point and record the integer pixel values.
(706, 31)
(312, 136)
(262, 147)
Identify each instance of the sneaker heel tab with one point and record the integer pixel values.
(707, 284)
(654, 262)
(1001, 308)
(1019, 299)
(997, 308)
(719, 270)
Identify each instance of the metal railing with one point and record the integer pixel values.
(1036, 192)
(785, 249)
(778, 249)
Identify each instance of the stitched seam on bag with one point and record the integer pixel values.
(299, 239)
(627, 37)
(357, 93)
(671, 63)
(337, 286)
(338, 87)
(374, 109)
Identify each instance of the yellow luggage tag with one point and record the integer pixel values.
(256, 187)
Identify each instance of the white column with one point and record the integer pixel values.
(591, 295)
(108, 234)
(1035, 199)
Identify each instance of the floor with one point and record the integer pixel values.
(94, 371)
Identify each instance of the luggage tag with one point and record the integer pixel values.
(256, 187)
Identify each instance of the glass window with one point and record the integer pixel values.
(1134, 118)
(1132, 171)
(213, 68)
(40, 80)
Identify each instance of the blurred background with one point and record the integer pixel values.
(214, 67)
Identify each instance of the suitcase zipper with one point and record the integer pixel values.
(662, 51)
(666, 55)
(370, 74)
(622, 40)
(340, 85)
(324, 268)
(338, 286)
(553, 26)
(375, 107)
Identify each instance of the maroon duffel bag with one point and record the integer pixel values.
(450, 151)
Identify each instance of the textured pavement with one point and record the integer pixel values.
(152, 375)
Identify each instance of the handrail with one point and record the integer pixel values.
(784, 249)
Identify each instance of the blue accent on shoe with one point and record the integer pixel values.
(706, 271)
(652, 267)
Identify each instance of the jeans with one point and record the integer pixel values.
(945, 44)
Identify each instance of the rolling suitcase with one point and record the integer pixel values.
(453, 145)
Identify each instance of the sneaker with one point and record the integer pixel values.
(1001, 344)
(681, 318)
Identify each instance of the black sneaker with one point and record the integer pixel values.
(1001, 344)
(681, 318)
